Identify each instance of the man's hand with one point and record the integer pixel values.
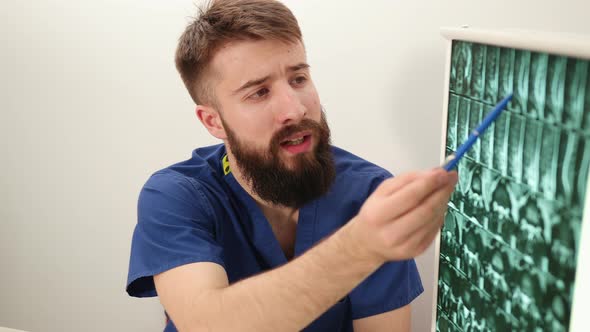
(402, 217)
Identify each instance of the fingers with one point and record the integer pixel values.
(426, 218)
(425, 241)
(404, 214)
(391, 185)
(418, 242)
(413, 194)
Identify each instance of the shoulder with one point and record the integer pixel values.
(350, 167)
(356, 178)
(203, 168)
(188, 182)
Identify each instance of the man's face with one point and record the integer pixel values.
(274, 125)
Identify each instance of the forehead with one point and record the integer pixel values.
(237, 62)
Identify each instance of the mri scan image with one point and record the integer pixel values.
(509, 244)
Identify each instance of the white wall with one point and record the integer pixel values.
(90, 105)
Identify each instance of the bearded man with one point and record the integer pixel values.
(275, 229)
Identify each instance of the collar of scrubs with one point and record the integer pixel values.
(260, 232)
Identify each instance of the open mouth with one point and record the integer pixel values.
(298, 144)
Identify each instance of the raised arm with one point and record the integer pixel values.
(398, 221)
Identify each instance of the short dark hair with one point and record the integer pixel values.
(223, 21)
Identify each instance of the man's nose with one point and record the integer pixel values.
(289, 107)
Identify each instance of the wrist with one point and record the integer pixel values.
(351, 239)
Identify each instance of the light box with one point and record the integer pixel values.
(509, 250)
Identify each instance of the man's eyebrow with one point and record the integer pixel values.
(297, 67)
(251, 83)
(258, 81)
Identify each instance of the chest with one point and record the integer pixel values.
(285, 232)
(253, 242)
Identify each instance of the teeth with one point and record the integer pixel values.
(295, 141)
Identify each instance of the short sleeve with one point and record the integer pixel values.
(392, 286)
(175, 226)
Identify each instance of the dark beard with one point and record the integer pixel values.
(311, 175)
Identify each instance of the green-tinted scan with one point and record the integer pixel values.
(509, 244)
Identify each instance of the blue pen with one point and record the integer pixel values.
(453, 159)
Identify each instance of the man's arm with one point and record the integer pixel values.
(398, 320)
(197, 296)
(398, 221)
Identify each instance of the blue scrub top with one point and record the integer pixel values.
(196, 211)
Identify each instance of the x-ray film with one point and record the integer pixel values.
(509, 245)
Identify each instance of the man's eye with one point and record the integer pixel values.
(299, 80)
(259, 94)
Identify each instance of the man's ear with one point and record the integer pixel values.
(211, 120)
